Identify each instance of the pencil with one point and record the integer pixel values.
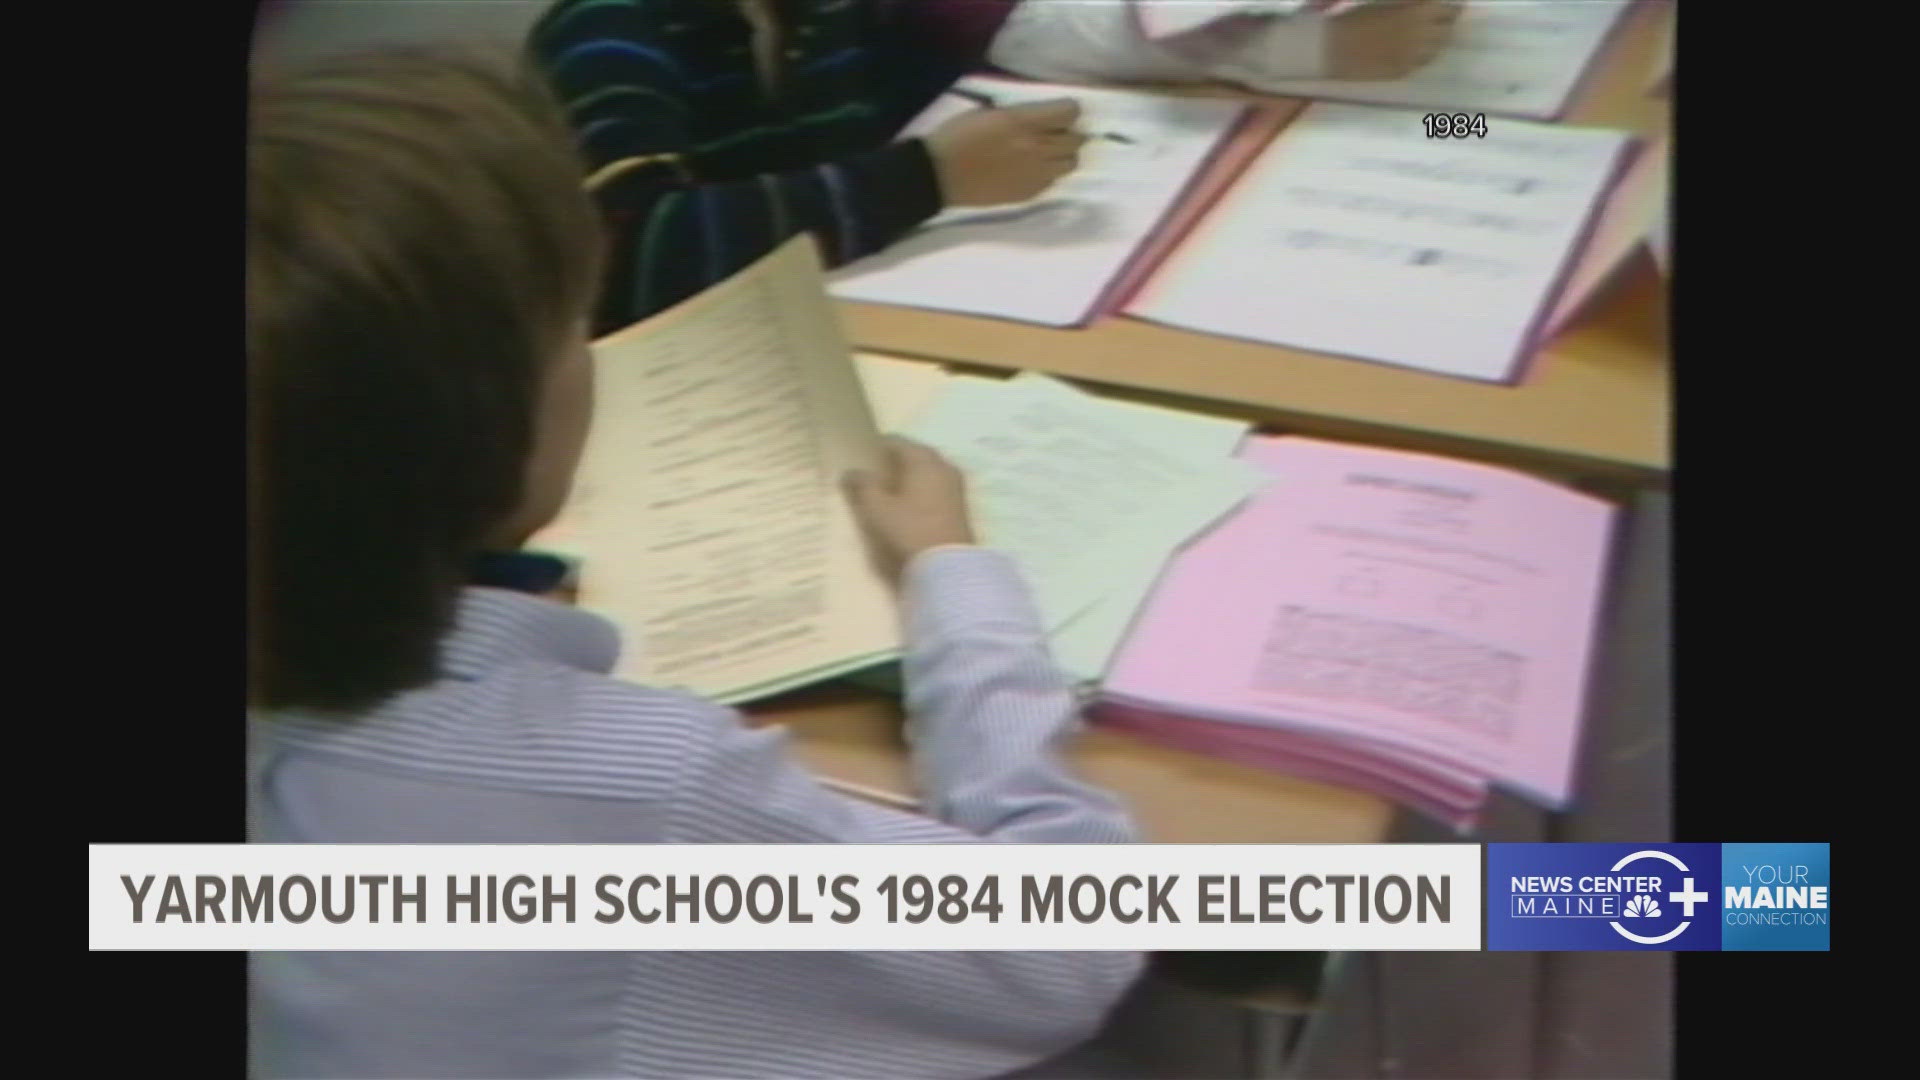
(986, 102)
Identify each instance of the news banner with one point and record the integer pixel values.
(1371, 897)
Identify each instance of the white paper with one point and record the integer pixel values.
(1170, 18)
(1354, 234)
(1051, 261)
(1068, 492)
(1520, 58)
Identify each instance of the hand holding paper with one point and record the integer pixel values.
(918, 502)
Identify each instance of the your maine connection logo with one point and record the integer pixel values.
(1675, 897)
(1775, 897)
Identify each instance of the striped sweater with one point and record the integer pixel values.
(702, 168)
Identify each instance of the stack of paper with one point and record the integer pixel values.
(1061, 259)
(1405, 624)
(1090, 497)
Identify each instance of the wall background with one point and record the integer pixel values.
(295, 30)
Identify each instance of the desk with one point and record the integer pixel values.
(1177, 798)
(1595, 404)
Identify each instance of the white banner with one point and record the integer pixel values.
(1146, 897)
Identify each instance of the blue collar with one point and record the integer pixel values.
(521, 571)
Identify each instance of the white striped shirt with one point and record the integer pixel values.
(525, 739)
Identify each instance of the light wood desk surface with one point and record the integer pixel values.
(1595, 403)
(1177, 798)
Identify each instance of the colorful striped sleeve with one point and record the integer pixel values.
(670, 240)
(630, 99)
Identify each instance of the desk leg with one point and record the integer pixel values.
(1306, 1029)
(1271, 1038)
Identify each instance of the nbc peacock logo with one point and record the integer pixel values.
(1643, 905)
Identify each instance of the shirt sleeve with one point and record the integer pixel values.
(671, 239)
(990, 713)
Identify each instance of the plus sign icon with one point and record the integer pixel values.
(1603, 897)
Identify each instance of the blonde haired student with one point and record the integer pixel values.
(421, 267)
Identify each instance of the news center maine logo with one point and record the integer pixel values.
(1673, 897)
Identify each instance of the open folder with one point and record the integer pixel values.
(1360, 233)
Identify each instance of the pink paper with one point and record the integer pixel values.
(1457, 809)
(1237, 741)
(1424, 604)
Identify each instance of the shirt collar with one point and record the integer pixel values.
(494, 627)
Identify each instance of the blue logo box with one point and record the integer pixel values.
(1774, 897)
(1603, 897)
(1667, 897)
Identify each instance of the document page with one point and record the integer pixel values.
(1355, 234)
(898, 389)
(1064, 487)
(709, 513)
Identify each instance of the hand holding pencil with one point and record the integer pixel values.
(996, 156)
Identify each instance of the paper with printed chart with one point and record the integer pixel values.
(1054, 261)
(709, 513)
(1356, 235)
(1428, 607)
